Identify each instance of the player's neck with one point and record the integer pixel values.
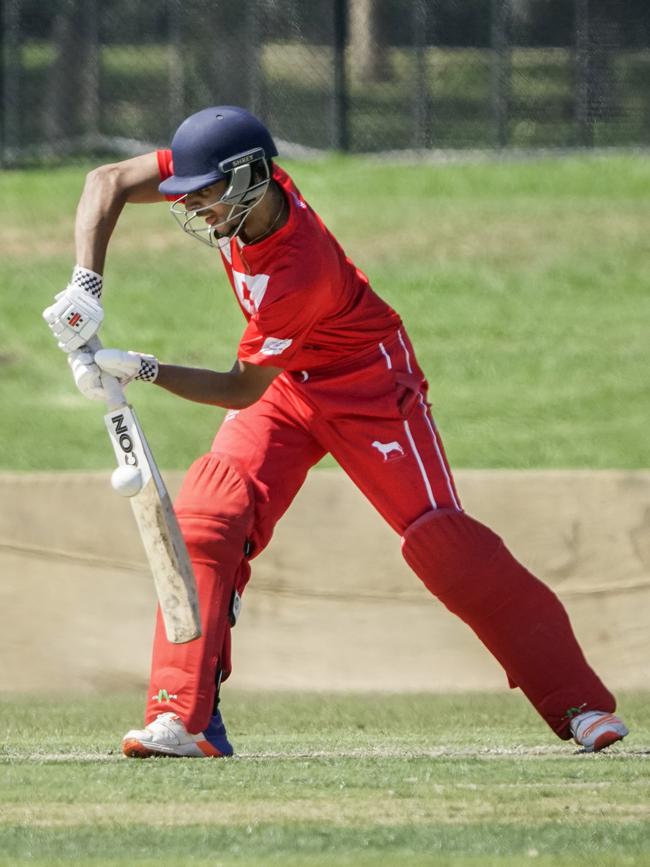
(268, 217)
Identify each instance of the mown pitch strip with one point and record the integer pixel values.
(323, 780)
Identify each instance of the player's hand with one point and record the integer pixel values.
(126, 366)
(76, 315)
(86, 373)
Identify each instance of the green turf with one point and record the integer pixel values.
(336, 780)
(523, 285)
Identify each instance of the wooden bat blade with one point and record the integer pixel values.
(169, 562)
(161, 536)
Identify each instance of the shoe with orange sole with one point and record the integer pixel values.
(167, 736)
(596, 729)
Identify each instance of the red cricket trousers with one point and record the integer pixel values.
(373, 417)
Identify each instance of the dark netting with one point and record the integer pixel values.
(84, 76)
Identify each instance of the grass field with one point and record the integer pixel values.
(323, 782)
(523, 285)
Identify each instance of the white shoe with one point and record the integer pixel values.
(167, 736)
(596, 729)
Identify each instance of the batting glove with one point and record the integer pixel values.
(87, 375)
(127, 366)
(90, 281)
(76, 315)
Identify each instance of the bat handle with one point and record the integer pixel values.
(114, 392)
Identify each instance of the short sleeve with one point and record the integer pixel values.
(165, 168)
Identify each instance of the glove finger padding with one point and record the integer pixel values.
(127, 366)
(86, 373)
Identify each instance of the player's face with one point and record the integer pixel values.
(206, 204)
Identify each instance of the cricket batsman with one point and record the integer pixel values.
(323, 365)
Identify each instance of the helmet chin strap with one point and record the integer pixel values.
(233, 233)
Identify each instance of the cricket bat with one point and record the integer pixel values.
(138, 477)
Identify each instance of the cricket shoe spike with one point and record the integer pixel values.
(596, 729)
(167, 736)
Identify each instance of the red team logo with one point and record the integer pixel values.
(75, 320)
(250, 289)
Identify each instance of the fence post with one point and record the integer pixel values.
(254, 38)
(10, 127)
(500, 70)
(584, 120)
(90, 78)
(340, 100)
(421, 90)
(176, 79)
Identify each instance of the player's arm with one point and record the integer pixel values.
(107, 189)
(77, 313)
(237, 389)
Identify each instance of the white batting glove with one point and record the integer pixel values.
(86, 373)
(127, 366)
(76, 315)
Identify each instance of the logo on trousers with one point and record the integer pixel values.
(391, 451)
(163, 695)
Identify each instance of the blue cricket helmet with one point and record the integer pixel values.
(208, 145)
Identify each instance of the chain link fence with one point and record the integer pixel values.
(81, 77)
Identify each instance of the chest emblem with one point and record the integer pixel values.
(250, 289)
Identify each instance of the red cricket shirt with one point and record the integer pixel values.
(306, 304)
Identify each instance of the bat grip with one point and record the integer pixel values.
(114, 392)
